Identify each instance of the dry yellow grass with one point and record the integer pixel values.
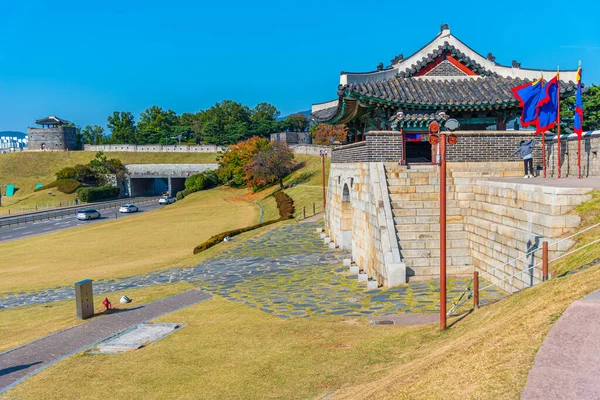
(19, 325)
(129, 246)
(229, 350)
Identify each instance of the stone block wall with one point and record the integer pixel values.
(507, 220)
(359, 218)
(59, 138)
(590, 155)
(503, 220)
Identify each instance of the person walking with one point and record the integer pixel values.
(525, 151)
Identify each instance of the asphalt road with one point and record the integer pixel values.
(68, 221)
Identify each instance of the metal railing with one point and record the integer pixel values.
(26, 210)
(45, 215)
(469, 292)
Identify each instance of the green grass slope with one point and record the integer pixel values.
(27, 169)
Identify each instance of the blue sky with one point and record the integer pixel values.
(82, 60)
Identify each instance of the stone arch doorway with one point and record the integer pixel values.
(346, 220)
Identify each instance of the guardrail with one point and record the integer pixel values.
(45, 215)
(27, 210)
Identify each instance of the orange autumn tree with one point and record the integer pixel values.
(270, 165)
(324, 133)
(232, 163)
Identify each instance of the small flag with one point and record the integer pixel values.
(529, 96)
(578, 127)
(548, 106)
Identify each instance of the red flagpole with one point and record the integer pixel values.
(558, 120)
(544, 152)
(579, 142)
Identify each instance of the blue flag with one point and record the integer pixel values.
(548, 106)
(529, 96)
(578, 120)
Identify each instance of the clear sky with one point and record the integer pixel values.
(81, 60)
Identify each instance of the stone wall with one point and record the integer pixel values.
(507, 220)
(50, 139)
(590, 155)
(359, 218)
(503, 220)
(150, 148)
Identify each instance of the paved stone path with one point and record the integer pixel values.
(288, 272)
(566, 366)
(19, 363)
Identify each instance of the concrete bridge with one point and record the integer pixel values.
(156, 179)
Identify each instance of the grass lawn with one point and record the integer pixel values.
(308, 190)
(27, 169)
(129, 246)
(229, 350)
(19, 325)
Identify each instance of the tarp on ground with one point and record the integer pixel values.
(10, 190)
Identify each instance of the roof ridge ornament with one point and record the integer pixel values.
(491, 58)
(445, 27)
(516, 64)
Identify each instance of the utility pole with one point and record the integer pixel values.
(323, 155)
(434, 130)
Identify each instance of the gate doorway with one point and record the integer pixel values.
(417, 149)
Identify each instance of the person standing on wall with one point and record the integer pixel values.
(525, 151)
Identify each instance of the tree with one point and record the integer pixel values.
(122, 127)
(294, 123)
(270, 164)
(156, 124)
(93, 134)
(591, 109)
(226, 122)
(264, 119)
(193, 123)
(325, 134)
(232, 163)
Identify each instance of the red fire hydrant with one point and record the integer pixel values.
(107, 304)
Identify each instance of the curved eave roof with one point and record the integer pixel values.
(445, 41)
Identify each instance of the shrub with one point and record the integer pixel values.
(201, 181)
(67, 186)
(66, 173)
(285, 204)
(99, 193)
(216, 239)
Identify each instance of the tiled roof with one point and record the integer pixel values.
(325, 114)
(51, 120)
(449, 49)
(444, 93)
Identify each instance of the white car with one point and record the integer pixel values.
(84, 215)
(167, 200)
(128, 208)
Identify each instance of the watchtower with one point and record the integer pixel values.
(53, 135)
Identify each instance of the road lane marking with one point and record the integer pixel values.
(6, 237)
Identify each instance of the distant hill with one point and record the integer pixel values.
(19, 135)
(307, 113)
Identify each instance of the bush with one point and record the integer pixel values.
(201, 181)
(285, 204)
(79, 172)
(99, 193)
(67, 186)
(181, 194)
(216, 239)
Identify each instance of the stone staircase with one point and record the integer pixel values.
(414, 196)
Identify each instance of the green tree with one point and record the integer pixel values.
(192, 122)
(93, 134)
(122, 127)
(156, 124)
(226, 123)
(294, 123)
(591, 109)
(264, 119)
